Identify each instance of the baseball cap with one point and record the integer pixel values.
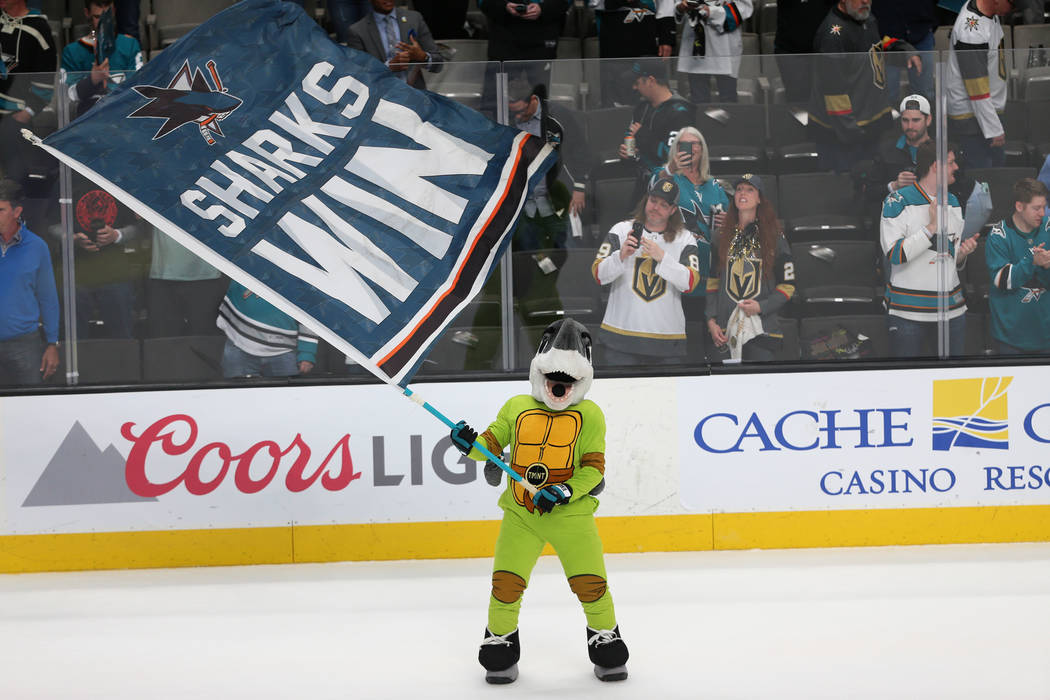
(657, 68)
(916, 102)
(753, 180)
(665, 189)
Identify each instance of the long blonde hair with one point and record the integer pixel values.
(705, 161)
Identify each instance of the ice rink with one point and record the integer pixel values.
(895, 622)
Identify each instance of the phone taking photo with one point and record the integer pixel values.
(687, 152)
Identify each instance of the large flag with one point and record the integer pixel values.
(368, 210)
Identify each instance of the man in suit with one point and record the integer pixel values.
(399, 38)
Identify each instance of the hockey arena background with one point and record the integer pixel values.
(100, 477)
(812, 459)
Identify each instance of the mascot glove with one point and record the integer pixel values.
(553, 495)
(493, 474)
(463, 437)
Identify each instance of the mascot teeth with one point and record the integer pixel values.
(561, 372)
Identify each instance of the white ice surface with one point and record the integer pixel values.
(895, 622)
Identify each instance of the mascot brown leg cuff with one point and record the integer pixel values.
(588, 587)
(507, 586)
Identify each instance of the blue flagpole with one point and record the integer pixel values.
(477, 443)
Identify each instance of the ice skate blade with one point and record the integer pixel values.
(507, 675)
(616, 673)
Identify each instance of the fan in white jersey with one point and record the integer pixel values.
(650, 261)
(976, 81)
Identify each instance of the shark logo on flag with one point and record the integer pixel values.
(188, 98)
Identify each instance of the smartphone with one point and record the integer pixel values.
(688, 151)
(521, 8)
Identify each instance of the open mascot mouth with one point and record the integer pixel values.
(559, 386)
(561, 371)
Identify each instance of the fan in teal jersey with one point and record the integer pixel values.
(1018, 257)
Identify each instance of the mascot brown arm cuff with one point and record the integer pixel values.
(594, 459)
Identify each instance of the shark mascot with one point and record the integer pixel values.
(557, 444)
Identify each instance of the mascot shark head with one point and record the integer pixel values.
(561, 372)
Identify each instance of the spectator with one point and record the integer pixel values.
(183, 291)
(27, 47)
(1018, 257)
(543, 225)
(1032, 11)
(524, 35)
(631, 29)
(127, 17)
(30, 300)
(752, 277)
(399, 38)
(897, 150)
(712, 45)
(976, 82)
(912, 241)
(797, 22)
(108, 262)
(531, 112)
(914, 21)
(87, 80)
(701, 201)
(657, 117)
(649, 261)
(344, 13)
(521, 32)
(850, 107)
(447, 19)
(261, 340)
(895, 167)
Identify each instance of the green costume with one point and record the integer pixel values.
(549, 447)
(557, 446)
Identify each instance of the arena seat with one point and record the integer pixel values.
(109, 361)
(465, 348)
(613, 202)
(819, 206)
(192, 358)
(837, 276)
(735, 135)
(793, 151)
(1000, 185)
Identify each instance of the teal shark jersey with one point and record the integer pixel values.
(1018, 300)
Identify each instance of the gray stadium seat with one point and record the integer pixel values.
(170, 20)
(465, 348)
(1000, 184)
(613, 202)
(793, 150)
(819, 206)
(182, 359)
(109, 361)
(464, 50)
(837, 276)
(735, 135)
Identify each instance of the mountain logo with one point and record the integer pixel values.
(80, 473)
(187, 99)
(971, 413)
